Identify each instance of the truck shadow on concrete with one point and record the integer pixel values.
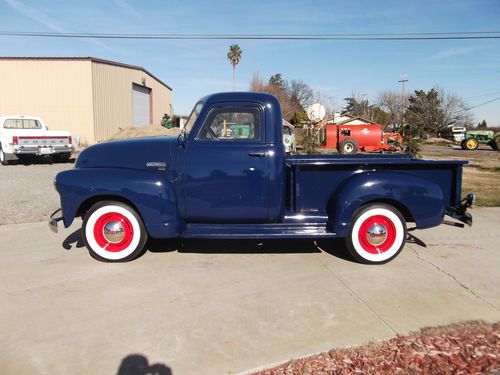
(74, 239)
(137, 364)
(334, 247)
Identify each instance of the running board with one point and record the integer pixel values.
(257, 231)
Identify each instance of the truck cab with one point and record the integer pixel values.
(227, 176)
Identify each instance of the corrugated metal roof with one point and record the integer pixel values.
(89, 58)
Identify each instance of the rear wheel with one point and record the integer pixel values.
(377, 234)
(114, 232)
(3, 158)
(470, 144)
(348, 146)
(494, 144)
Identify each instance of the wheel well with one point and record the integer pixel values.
(397, 205)
(86, 205)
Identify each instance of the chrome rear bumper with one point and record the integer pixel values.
(460, 212)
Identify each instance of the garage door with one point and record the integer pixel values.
(141, 105)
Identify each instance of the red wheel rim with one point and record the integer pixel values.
(368, 238)
(113, 232)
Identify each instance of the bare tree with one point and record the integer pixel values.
(455, 111)
(394, 103)
(300, 93)
(257, 85)
(294, 96)
(328, 102)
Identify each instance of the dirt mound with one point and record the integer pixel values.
(437, 142)
(145, 131)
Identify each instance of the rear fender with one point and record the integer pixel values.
(152, 194)
(422, 198)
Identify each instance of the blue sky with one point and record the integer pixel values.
(470, 69)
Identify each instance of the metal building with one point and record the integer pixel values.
(90, 97)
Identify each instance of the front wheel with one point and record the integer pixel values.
(114, 232)
(470, 144)
(377, 234)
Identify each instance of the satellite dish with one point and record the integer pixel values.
(316, 112)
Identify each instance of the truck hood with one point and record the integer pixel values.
(140, 153)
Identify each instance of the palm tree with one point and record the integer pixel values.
(234, 56)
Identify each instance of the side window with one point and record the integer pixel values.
(232, 124)
(345, 132)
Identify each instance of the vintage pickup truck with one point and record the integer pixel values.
(26, 136)
(214, 183)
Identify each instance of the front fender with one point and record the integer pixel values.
(151, 193)
(423, 198)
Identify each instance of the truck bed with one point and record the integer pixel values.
(313, 179)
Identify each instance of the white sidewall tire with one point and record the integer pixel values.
(389, 253)
(101, 252)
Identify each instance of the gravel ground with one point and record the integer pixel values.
(27, 191)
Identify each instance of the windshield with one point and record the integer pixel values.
(192, 117)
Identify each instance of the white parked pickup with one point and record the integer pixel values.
(22, 136)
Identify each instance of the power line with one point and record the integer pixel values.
(488, 102)
(483, 95)
(366, 37)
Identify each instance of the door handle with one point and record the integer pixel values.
(257, 154)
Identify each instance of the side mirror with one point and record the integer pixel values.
(181, 140)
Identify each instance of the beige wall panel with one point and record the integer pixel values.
(112, 95)
(60, 92)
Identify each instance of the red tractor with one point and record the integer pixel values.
(349, 139)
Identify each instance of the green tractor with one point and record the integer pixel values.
(473, 138)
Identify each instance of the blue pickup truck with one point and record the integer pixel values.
(226, 176)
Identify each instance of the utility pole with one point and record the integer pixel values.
(404, 78)
(364, 106)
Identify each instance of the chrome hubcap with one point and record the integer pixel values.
(113, 232)
(377, 234)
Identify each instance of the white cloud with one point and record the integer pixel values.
(127, 8)
(450, 52)
(35, 15)
(43, 19)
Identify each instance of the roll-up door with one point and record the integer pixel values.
(141, 103)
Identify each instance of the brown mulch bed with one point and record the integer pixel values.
(466, 348)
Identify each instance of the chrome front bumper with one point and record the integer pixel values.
(54, 220)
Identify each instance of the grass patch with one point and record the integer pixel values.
(487, 202)
(486, 168)
(485, 184)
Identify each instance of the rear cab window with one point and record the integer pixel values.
(22, 124)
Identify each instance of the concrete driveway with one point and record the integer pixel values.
(229, 307)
